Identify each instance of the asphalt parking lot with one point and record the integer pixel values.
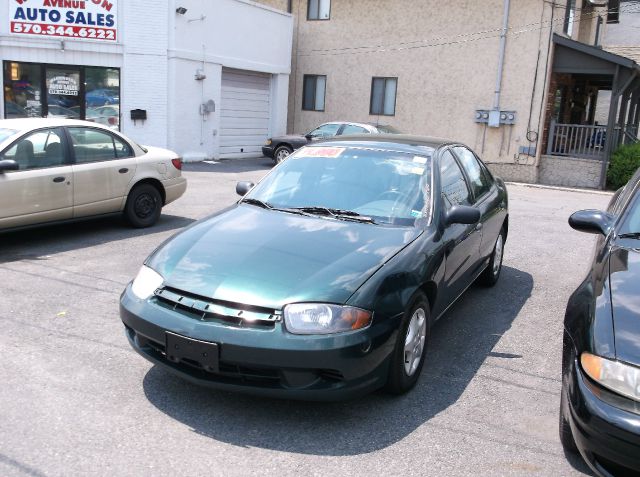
(76, 400)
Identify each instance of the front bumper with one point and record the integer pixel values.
(268, 362)
(605, 426)
(267, 151)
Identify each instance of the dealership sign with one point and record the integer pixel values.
(79, 19)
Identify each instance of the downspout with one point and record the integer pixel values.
(289, 6)
(503, 44)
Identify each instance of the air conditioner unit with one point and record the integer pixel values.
(598, 3)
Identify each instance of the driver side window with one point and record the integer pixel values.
(40, 149)
(452, 182)
(326, 130)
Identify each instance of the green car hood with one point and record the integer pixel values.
(266, 258)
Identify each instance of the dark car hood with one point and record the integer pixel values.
(624, 267)
(261, 257)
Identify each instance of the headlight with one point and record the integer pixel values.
(619, 377)
(319, 318)
(146, 282)
(268, 143)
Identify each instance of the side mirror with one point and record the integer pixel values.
(591, 221)
(462, 214)
(243, 187)
(9, 165)
(309, 136)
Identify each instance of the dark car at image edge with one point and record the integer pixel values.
(600, 399)
(323, 281)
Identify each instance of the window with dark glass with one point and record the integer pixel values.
(569, 17)
(42, 148)
(453, 184)
(613, 12)
(94, 145)
(57, 91)
(313, 92)
(383, 96)
(318, 9)
(22, 90)
(480, 183)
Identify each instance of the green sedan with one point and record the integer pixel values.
(322, 282)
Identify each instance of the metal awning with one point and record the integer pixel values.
(615, 72)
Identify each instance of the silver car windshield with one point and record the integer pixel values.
(389, 187)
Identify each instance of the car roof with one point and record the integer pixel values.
(26, 124)
(396, 142)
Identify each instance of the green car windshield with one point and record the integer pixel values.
(389, 187)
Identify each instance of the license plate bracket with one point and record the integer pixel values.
(181, 348)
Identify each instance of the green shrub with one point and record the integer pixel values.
(624, 163)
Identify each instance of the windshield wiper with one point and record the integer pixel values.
(258, 202)
(630, 235)
(336, 213)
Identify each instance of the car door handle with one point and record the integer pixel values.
(59, 179)
(479, 226)
(124, 170)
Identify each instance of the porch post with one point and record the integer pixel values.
(611, 127)
(551, 136)
(622, 118)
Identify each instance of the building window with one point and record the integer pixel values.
(383, 96)
(569, 17)
(62, 91)
(613, 13)
(313, 91)
(318, 9)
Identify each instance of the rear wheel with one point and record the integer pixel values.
(281, 153)
(491, 274)
(143, 206)
(409, 353)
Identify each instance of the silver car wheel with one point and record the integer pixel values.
(415, 341)
(282, 154)
(497, 254)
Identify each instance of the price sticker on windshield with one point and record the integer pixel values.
(328, 152)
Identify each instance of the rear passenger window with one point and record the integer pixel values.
(452, 181)
(480, 183)
(94, 145)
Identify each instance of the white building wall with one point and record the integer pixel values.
(212, 35)
(159, 51)
(144, 74)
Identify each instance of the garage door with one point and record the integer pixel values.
(244, 122)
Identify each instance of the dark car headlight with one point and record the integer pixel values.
(619, 377)
(146, 282)
(321, 318)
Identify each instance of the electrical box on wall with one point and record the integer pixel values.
(495, 118)
(208, 107)
(138, 114)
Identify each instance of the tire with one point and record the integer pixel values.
(566, 436)
(143, 207)
(405, 366)
(490, 276)
(281, 153)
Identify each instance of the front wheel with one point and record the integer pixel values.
(143, 206)
(491, 274)
(281, 153)
(409, 353)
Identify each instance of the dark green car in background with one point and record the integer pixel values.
(323, 281)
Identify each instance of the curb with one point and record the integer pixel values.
(564, 189)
